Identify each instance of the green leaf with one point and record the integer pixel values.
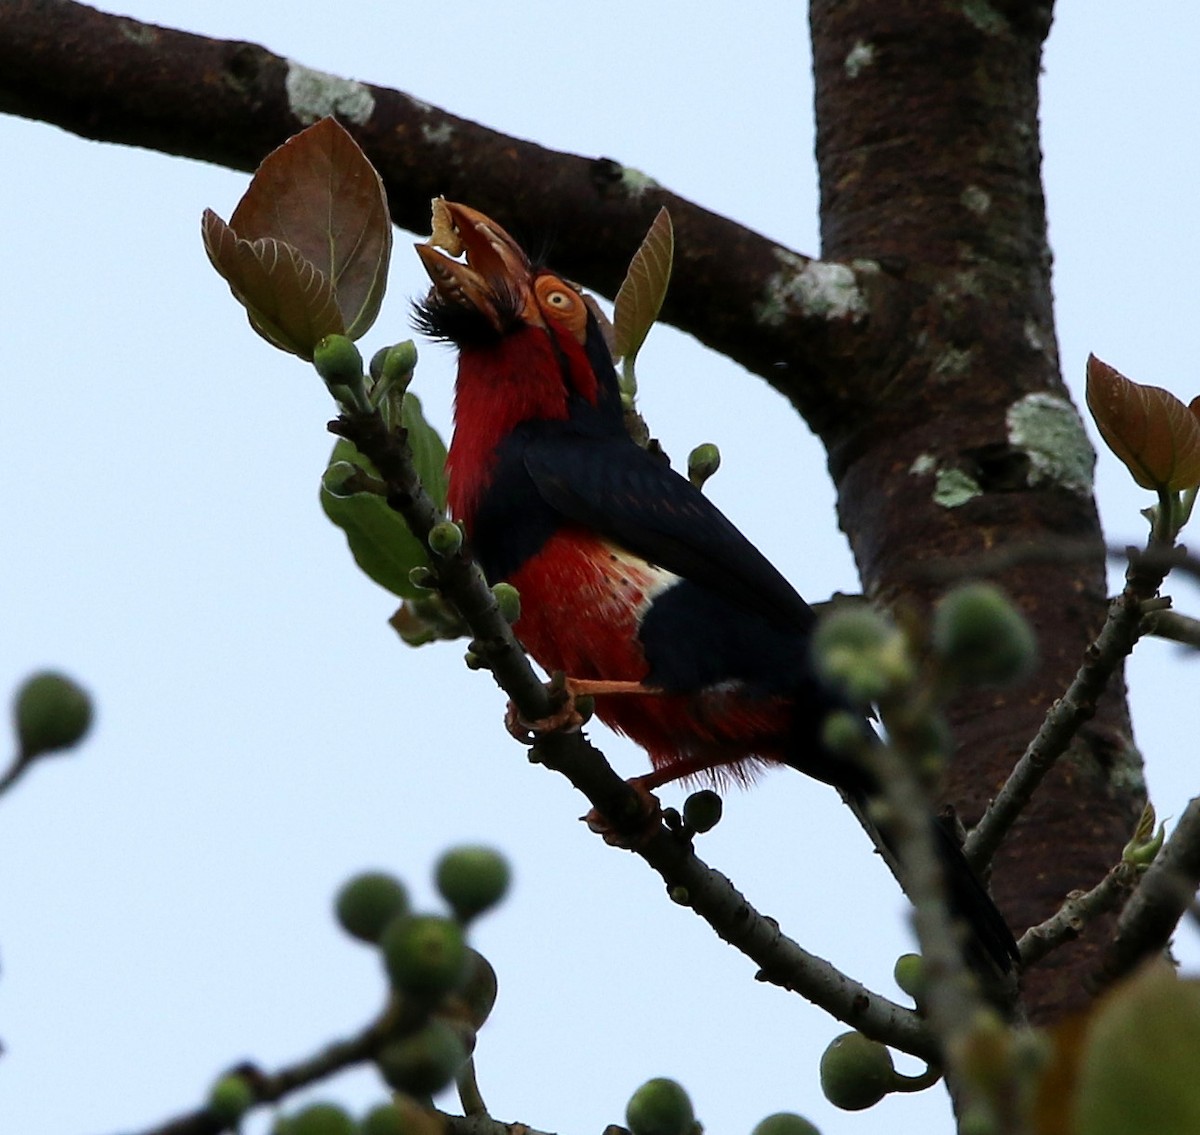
(288, 301)
(380, 541)
(1138, 1072)
(641, 294)
(428, 450)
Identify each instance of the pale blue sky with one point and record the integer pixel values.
(261, 733)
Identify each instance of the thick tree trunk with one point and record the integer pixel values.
(960, 443)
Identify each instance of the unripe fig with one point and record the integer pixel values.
(51, 712)
(424, 955)
(784, 1123)
(660, 1107)
(702, 810)
(383, 1119)
(321, 1119)
(703, 462)
(445, 538)
(508, 599)
(981, 637)
(473, 1000)
(843, 733)
(856, 1073)
(909, 974)
(862, 653)
(368, 902)
(472, 880)
(424, 1062)
(230, 1098)
(338, 361)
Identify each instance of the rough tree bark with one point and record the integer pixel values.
(930, 166)
(922, 349)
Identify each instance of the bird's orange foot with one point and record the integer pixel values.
(643, 821)
(567, 719)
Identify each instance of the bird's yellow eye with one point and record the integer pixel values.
(562, 304)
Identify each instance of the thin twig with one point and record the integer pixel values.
(1101, 660)
(709, 893)
(19, 767)
(1080, 908)
(270, 1087)
(1173, 626)
(954, 1001)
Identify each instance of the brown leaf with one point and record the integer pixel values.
(319, 193)
(288, 301)
(641, 294)
(1148, 428)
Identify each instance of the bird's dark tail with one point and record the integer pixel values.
(990, 949)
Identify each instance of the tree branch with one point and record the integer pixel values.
(268, 1088)
(1101, 660)
(1174, 627)
(795, 321)
(1076, 912)
(709, 893)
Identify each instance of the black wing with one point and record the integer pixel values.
(614, 487)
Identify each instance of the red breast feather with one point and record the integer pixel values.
(583, 600)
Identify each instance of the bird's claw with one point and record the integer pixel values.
(642, 821)
(565, 719)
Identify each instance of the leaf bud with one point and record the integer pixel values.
(702, 810)
(338, 361)
(981, 637)
(660, 1107)
(338, 479)
(856, 1073)
(321, 1119)
(1143, 849)
(51, 712)
(703, 462)
(422, 577)
(472, 880)
(230, 1098)
(391, 364)
(424, 955)
(445, 538)
(368, 902)
(423, 1062)
(508, 599)
(784, 1123)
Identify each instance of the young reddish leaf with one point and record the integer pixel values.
(288, 301)
(641, 294)
(319, 193)
(1149, 429)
